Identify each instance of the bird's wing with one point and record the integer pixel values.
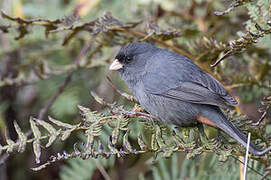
(196, 93)
(183, 80)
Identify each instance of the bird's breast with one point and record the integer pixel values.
(167, 110)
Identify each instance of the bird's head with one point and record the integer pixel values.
(132, 58)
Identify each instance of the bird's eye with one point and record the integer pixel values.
(128, 59)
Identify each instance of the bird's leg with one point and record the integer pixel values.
(203, 136)
(222, 137)
(139, 111)
(138, 108)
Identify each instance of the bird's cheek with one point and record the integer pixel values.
(122, 70)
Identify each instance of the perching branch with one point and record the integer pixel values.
(234, 4)
(125, 95)
(244, 42)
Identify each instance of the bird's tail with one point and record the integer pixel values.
(224, 124)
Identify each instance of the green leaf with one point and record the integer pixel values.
(22, 137)
(112, 148)
(141, 143)
(89, 116)
(126, 142)
(10, 145)
(36, 142)
(154, 144)
(116, 131)
(194, 152)
(53, 132)
(66, 134)
(90, 141)
(61, 124)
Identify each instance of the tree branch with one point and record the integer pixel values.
(61, 88)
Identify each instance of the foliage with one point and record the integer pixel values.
(199, 169)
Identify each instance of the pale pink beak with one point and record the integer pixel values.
(116, 65)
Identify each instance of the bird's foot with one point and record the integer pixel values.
(138, 108)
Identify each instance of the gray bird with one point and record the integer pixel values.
(175, 90)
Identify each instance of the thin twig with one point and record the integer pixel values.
(61, 88)
(265, 175)
(251, 168)
(233, 5)
(124, 94)
(51, 101)
(137, 114)
(124, 112)
(130, 98)
(243, 42)
(260, 120)
(223, 57)
(102, 170)
(143, 35)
